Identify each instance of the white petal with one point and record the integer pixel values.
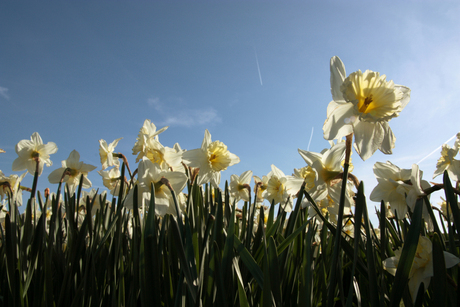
(338, 74)
(450, 260)
(389, 139)
(246, 177)
(406, 94)
(338, 123)
(333, 157)
(309, 156)
(368, 138)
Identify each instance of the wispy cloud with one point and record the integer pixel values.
(186, 117)
(4, 92)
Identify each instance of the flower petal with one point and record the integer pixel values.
(368, 138)
(338, 74)
(338, 122)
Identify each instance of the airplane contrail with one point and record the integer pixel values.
(258, 68)
(311, 136)
(437, 149)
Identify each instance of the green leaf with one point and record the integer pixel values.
(249, 262)
(407, 255)
(439, 280)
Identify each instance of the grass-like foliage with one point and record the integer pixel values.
(217, 254)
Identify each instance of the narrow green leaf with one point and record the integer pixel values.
(249, 262)
(439, 281)
(407, 255)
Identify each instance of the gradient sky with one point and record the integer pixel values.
(254, 73)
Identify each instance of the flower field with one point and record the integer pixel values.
(168, 232)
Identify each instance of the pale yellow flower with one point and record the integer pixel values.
(399, 187)
(11, 184)
(151, 173)
(211, 159)
(239, 186)
(111, 180)
(324, 173)
(147, 132)
(422, 266)
(29, 151)
(260, 185)
(106, 153)
(447, 161)
(75, 169)
(363, 104)
(282, 189)
(167, 158)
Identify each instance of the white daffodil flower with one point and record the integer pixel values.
(75, 168)
(422, 267)
(447, 161)
(211, 159)
(282, 189)
(106, 153)
(10, 187)
(147, 132)
(151, 173)
(324, 173)
(111, 180)
(395, 184)
(167, 158)
(29, 151)
(260, 185)
(363, 104)
(239, 186)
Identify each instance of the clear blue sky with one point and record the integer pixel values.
(80, 71)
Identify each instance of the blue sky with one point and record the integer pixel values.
(254, 73)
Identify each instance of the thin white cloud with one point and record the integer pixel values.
(4, 92)
(185, 117)
(155, 103)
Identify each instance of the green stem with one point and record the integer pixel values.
(338, 233)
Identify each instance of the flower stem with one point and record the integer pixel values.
(34, 185)
(338, 233)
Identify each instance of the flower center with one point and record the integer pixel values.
(156, 156)
(367, 102)
(218, 156)
(309, 175)
(374, 97)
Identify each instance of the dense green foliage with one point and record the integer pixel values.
(217, 255)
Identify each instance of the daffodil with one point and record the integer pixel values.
(30, 152)
(10, 188)
(281, 188)
(106, 153)
(363, 104)
(111, 180)
(324, 172)
(167, 158)
(395, 184)
(447, 161)
(211, 159)
(239, 186)
(422, 266)
(260, 185)
(73, 169)
(151, 173)
(147, 132)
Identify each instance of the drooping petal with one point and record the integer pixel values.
(389, 139)
(368, 138)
